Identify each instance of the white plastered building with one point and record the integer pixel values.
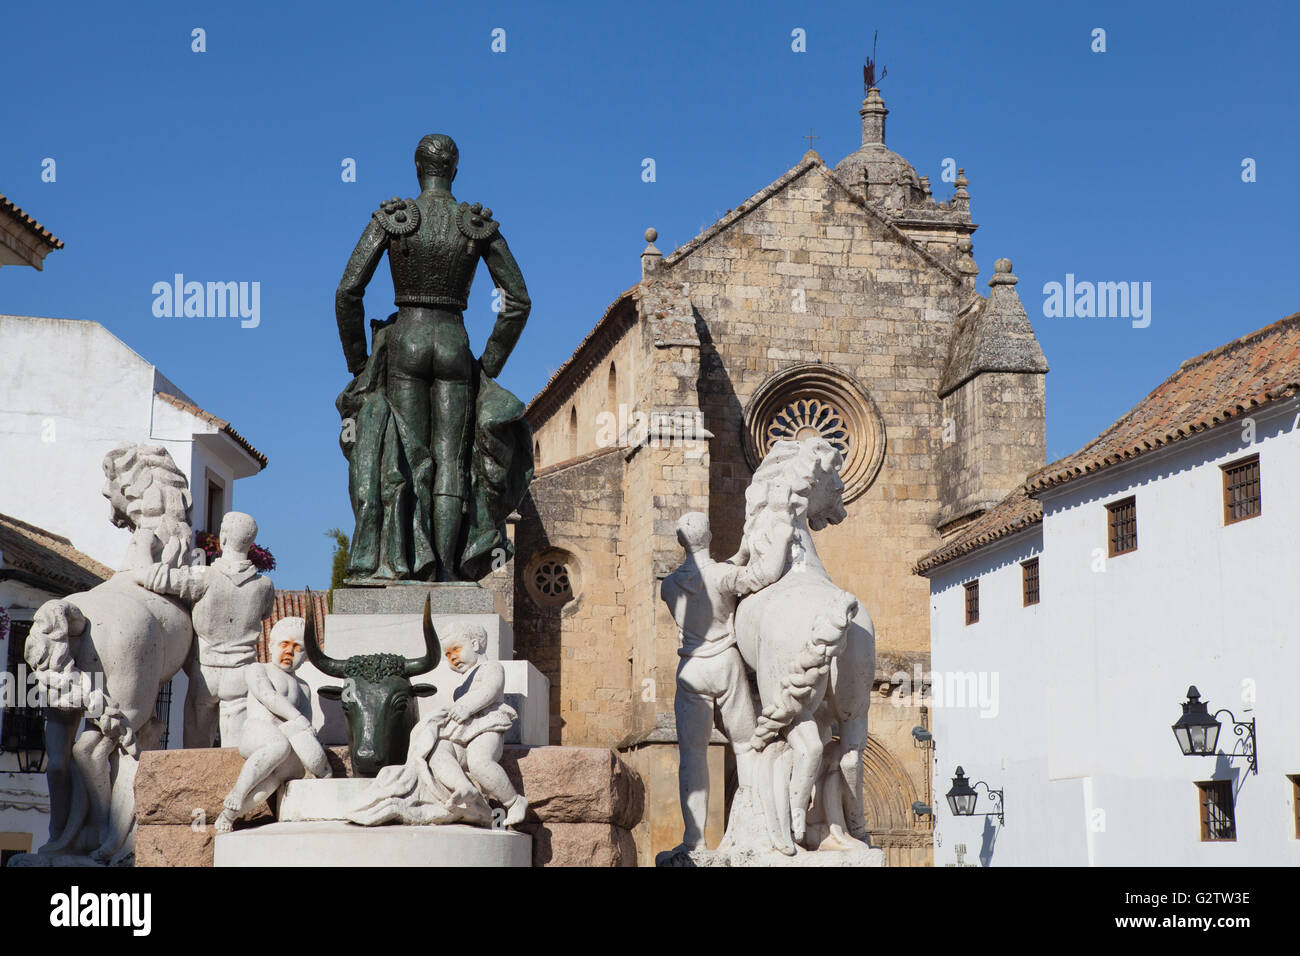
(1160, 556)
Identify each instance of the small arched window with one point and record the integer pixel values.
(612, 395)
(573, 431)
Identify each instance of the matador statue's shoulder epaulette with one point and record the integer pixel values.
(398, 217)
(475, 222)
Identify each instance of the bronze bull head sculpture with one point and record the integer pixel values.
(377, 696)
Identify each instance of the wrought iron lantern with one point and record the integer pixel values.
(1197, 732)
(963, 797)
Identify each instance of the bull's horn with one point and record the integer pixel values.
(320, 660)
(432, 647)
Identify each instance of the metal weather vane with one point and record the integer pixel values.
(869, 78)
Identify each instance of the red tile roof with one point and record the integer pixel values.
(216, 422)
(8, 207)
(1224, 383)
(49, 557)
(1013, 513)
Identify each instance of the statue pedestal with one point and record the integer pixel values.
(336, 844)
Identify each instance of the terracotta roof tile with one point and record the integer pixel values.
(1225, 383)
(10, 208)
(1013, 513)
(216, 422)
(47, 556)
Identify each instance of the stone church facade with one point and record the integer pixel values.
(838, 301)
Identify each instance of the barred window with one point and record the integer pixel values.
(1241, 499)
(1029, 571)
(1123, 529)
(21, 728)
(162, 709)
(1218, 821)
(972, 601)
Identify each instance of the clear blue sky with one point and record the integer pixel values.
(225, 166)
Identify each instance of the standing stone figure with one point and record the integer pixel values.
(438, 453)
(702, 596)
(102, 655)
(810, 647)
(230, 599)
(276, 738)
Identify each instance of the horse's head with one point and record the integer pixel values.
(825, 493)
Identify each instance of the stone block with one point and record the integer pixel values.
(172, 844)
(170, 785)
(348, 634)
(581, 844)
(408, 598)
(576, 785)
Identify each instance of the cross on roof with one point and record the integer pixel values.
(810, 137)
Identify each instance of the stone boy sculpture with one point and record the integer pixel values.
(702, 596)
(229, 601)
(453, 763)
(472, 735)
(276, 739)
(811, 649)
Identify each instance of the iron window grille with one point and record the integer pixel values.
(972, 601)
(1123, 533)
(1241, 498)
(1218, 821)
(1030, 581)
(22, 728)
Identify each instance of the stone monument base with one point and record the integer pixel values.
(54, 859)
(584, 803)
(747, 843)
(867, 856)
(332, 843)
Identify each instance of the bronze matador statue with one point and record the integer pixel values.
(438, 453)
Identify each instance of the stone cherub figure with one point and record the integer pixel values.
(276, 739)
(229, 601)
(453, 761)
(702, 596)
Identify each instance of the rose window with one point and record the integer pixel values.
(816, 400)
(810, 418)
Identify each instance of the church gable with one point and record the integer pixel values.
(789, 200)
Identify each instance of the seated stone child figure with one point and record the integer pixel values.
(276, 741)
(452, 762)
(471, 735)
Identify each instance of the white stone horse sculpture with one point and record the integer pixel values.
(104, 654)
(812, 649)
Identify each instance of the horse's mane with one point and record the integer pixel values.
(797, 465)
(147, 488)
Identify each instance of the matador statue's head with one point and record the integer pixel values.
(436, 157)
